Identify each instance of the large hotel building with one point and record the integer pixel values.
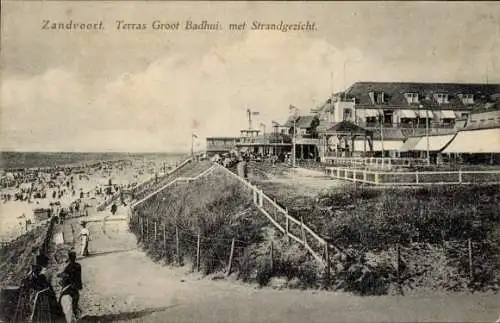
(386, 119)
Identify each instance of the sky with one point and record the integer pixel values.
(147, 90)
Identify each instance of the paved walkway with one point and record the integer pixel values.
(123, 284)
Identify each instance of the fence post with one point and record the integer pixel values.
(177, 248)
(165, 240)
(272, 257)
(377, 179)
(287, 225)
(261, 198)
(327, 262)
(469, 244)
(230, 263)
(154, 239)
(338, 172)
(364, 175)
(398, 260)
(303, 231)
(354, 175)
(416, 177)
(147, 229)
(141, 220)
(198, 251)
(460, 176)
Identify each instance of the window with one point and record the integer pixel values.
(379, 97)
(347, 114)
(467, 98)
(441, 98)
(412, 97)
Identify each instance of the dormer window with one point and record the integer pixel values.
(412, 97)
(441, 97)
(379, 97)
(467, 98)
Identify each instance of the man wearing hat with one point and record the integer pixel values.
(84, 238)
(71, 283)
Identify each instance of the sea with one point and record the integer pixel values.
(15, 160)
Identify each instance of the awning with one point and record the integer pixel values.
(410, 114)
(424, 113)
(436, 143)
(371, 112)
(409, 144)
(448, 114)
(475, 142)
(377, 145)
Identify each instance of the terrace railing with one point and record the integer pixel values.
(385, 178)
(374, 162)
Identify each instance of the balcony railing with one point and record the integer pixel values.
(406, 125)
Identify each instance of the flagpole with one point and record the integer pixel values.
(294, 138)
(249, 119)
(192, 145)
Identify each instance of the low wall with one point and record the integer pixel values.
(16, 259)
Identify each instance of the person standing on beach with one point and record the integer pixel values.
(84, 238)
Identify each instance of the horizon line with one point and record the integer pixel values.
(91, 151)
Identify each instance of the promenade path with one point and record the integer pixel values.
(121, 284)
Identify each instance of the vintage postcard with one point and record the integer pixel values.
(249, 161)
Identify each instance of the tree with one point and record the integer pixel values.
(314, 125)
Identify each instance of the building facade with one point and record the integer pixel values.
(395, 111)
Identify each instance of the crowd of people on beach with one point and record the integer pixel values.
(34, 194)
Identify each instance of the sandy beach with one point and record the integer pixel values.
(61, 190)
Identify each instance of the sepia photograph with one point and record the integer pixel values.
(249, 161)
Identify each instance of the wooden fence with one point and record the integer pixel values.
(293, 228)
(140, 187)
(178, 179)
(385, 178)
(375, 162)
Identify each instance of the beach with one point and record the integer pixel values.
(86, 180)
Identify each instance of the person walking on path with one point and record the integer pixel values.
(84, 238)
(71, 283)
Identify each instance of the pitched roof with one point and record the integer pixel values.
(323, 125)
(394, 93)
(300, 121)
(347, 127)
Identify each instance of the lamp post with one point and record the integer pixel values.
(427, 134)
(294, 138)
(381, 119)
